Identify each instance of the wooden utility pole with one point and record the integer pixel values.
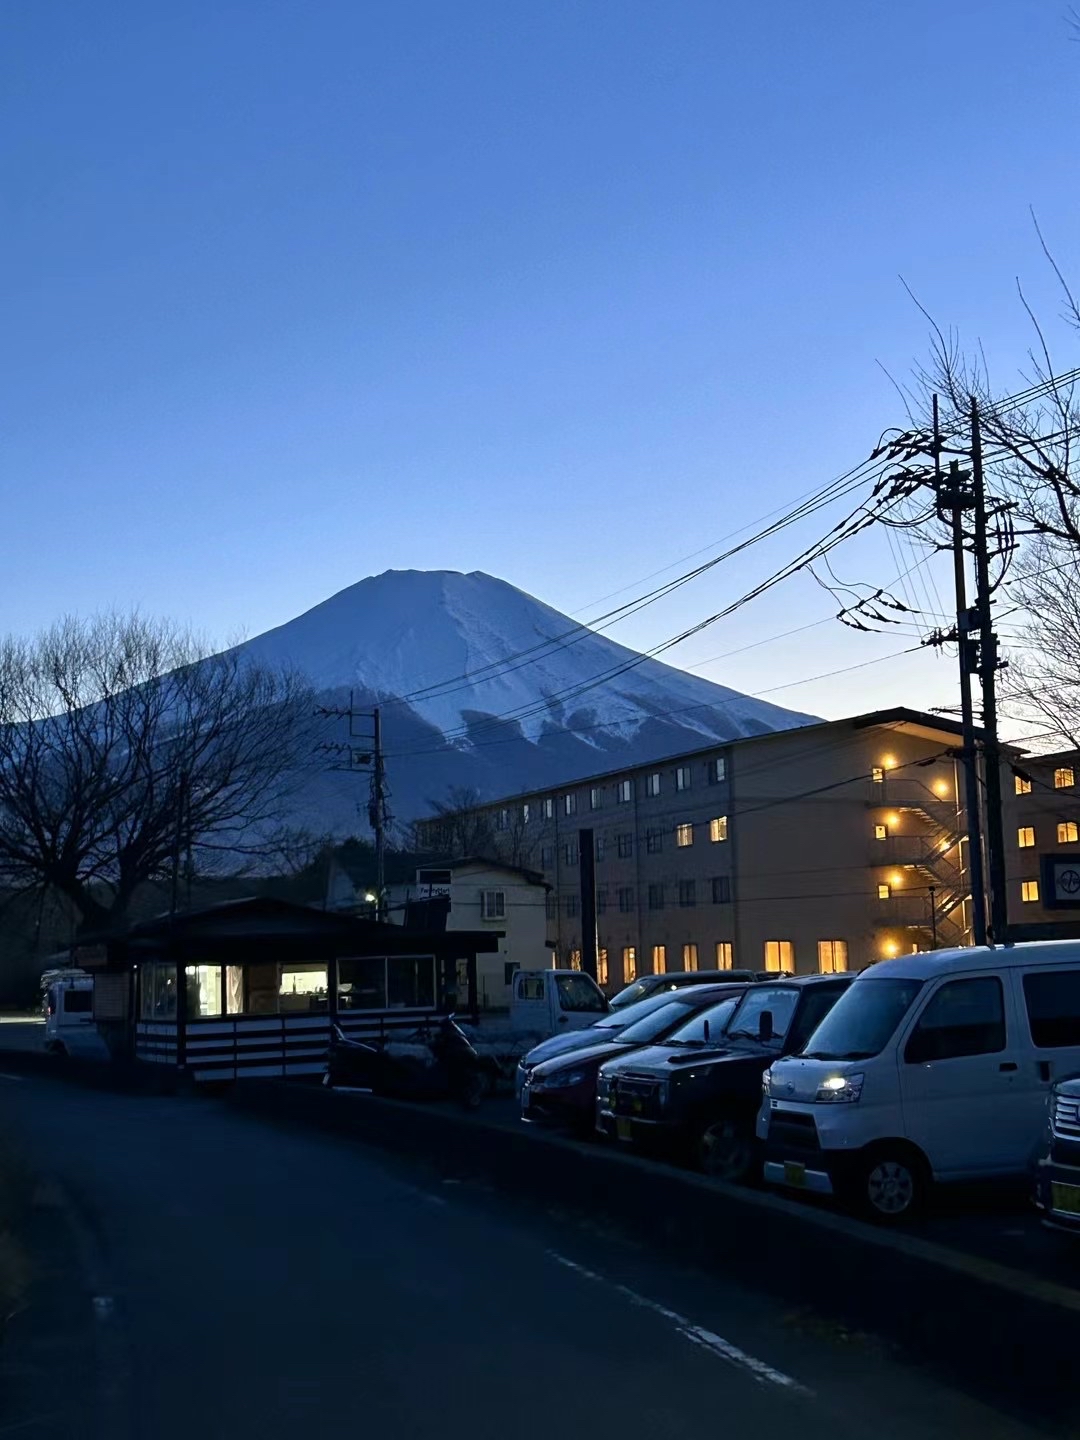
(378, 816)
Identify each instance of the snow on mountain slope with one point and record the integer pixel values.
(448, 656)
(410, 631)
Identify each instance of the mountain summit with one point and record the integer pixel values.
(484, 686)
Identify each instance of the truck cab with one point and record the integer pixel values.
(553, 1002)
(69, 1020)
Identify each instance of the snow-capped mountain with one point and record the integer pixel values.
(483, 686)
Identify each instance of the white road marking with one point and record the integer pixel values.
(707, 1339)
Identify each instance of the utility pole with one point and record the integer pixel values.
(368, 754)
(954, 497)
(587, 873)
(988, 668)
(377, 811)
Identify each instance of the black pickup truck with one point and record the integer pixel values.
(698, 1096)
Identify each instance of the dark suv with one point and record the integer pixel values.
(698, 1094)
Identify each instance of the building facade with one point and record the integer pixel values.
(818, 849)
(1041, 805)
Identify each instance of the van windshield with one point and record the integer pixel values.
(863, 1020)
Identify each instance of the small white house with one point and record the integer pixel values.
(474, 894)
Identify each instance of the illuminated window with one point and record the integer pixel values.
(877, 774)
(601, 967)
(881, 832)
(832, 957)
(204, 989)
(575, 959)
(780, 955)
(596, 796)
(659, 959)
(1068, 834)
(569, 804)
(687, 894)
(624, 792)
(884, 891)
(724, 956)
(682, 777)
(718, 829)
(1029, 891)
(1025, 837)
(1065, 778)
(629, 964)
(547, 808)
(525, 814)
(652, 785)
(684, 835)
(717, 771)
(1023, 786)
(689, 957)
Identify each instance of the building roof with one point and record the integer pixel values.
(534, 877)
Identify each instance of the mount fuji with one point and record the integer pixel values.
(482, 686)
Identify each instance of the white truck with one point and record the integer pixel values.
(69, 1020)
(542, 1003)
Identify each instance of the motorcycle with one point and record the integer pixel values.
(426, 1066)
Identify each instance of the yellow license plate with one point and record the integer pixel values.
(794, 1173)
(624, 1129)
(1065, 1198)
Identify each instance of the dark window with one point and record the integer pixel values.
(410, 981)
(626, 899)
(721, 890)
(601, 900)
(654, 841)
(571, 906)
(551, 906)
(599, 847)
(508, 971)
(362, 983)
(626, 846)
(687, 894)
(547, 857)
(964, 1017)
(572, 853)
(78, 1002)
(656, 897)
(1053, 1005)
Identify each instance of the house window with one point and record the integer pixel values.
(716, 770)
(884, 892)
(684, 835)
(682, 777)
(493, 904)
(877, 774)
(652, 785)
(572, 907)
(595, 797)
(1022, 785)
(601, 900)
(547, 857)
(689, 956)
(1068, 834)
(721, 890)
(724, 955)
(599, 847)
(881, 832)
(547, 808)
(624, 792)
(656, 897)
(502, 820)
(1025, 837)
(780, 956)
(601, 967)
(832, 957)
(575, 959)
(626, 846)
(569, 804)
(626, 899)
(659, 959)
(718, 829)
(526, 811)
(571, 852)
(687, 894)
(1064, 778)
(629, 964)
(1029, 891)
(654, 841)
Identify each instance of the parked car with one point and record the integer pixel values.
(698, 1095)
(603, 1029)
(562, 1090)
(1057, 1174)
(647, 985)
(934, 1067)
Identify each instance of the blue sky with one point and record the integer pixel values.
(299, 292)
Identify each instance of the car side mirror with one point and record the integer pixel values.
(765, 1026)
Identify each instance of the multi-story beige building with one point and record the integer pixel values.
(822, 848)
(1041, 820)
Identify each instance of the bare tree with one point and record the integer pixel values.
(123, 747)
(459, 826)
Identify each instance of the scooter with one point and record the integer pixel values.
(427, 1066)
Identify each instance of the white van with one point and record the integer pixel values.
(69, 1020)
(934, 1067)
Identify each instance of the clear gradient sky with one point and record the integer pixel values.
(296, 291)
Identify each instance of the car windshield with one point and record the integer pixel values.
(660, 1018)
(631, 993)
(746, 1022)
(631, 1014)
(580, 992)
(863, 1020)
(716, 1017)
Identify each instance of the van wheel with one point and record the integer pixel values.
(891, 1184)
(727, 1151)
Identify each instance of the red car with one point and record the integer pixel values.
(562, 1091)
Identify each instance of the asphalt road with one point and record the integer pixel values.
(254, 1281)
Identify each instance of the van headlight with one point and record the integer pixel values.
(840, 1090)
